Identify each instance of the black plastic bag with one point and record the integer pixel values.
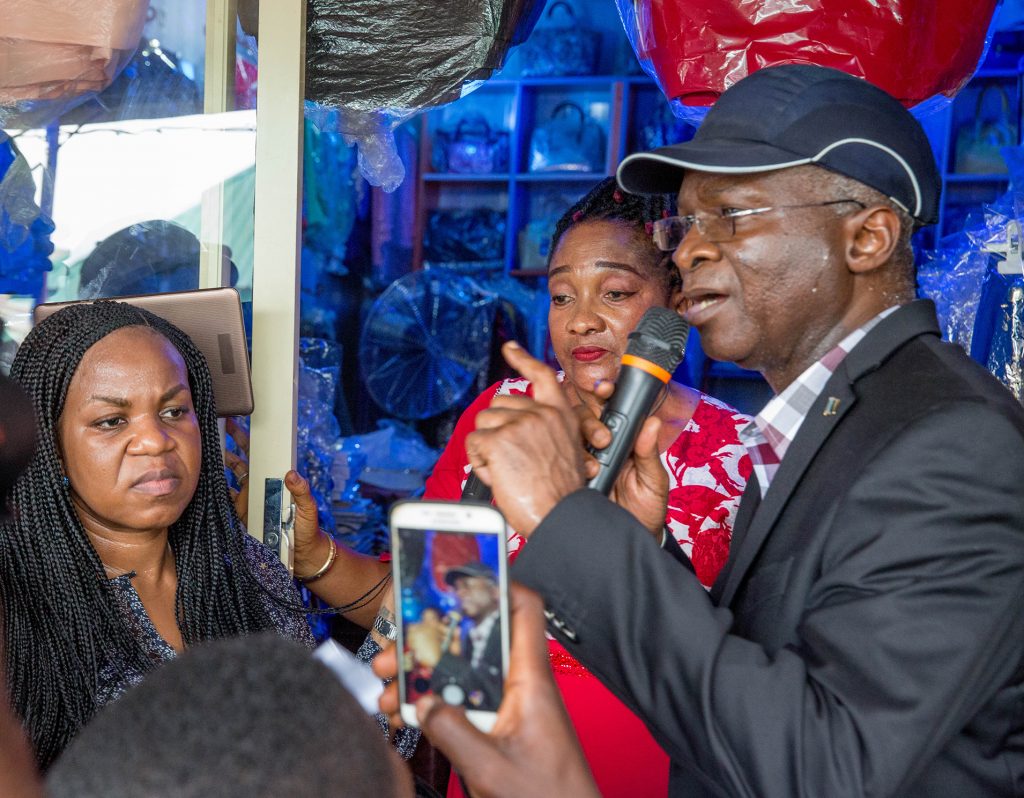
(475, 234)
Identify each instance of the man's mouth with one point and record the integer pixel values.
(697, 308)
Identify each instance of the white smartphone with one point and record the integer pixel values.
(451, 594)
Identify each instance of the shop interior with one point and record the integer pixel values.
(425, 227)
(432, 175)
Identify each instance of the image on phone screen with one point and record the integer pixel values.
(450, 604)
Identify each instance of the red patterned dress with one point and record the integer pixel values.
(708, 468)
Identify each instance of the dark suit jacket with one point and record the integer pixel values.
(866, 637)
(482, 685)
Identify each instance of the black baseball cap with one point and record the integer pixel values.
(469, 569)
(795, 114)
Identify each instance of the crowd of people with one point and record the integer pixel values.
(826, 599)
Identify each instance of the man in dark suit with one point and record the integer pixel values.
(867, 634)
(470, 675)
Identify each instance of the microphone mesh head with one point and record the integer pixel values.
(660, 337)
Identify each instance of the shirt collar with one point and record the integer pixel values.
(769, 435)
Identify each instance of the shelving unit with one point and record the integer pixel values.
(623, 106)
(980, 103)
(538, 197)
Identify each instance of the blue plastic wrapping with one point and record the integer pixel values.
(976, 279)
(318, 431)
(393, 461)
(25, 246)
(952, 277)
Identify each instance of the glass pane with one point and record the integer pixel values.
(143, 174)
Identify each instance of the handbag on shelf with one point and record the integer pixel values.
(978, 146)
(570, 141)
(560, 45)
(464, 235)
(471, 148)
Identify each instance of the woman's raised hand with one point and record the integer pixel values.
(528, 451)
(312, 546)
(343, 578)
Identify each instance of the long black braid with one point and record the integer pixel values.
(61, 623)
(606, 202)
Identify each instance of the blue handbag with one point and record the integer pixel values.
(570, 141)
(472, 148)
(560, 45)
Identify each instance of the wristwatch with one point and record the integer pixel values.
(385, 628)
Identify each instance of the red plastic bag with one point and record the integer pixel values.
(914, 49)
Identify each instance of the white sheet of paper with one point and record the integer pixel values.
(356, 675)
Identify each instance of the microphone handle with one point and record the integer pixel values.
(449, 635)
(636, 391)
(475, 490)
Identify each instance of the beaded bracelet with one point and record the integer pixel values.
(323, 568)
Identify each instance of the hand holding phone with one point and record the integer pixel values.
(534, 750)
(451, 592)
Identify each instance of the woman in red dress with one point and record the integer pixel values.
(604, 273)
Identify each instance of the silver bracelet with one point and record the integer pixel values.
(384, 627)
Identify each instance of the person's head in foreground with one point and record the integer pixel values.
(604, 272)
(128, 449)
(248, 717)
(17, 444)
(800, 192)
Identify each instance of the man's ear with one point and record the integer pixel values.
(872, 236)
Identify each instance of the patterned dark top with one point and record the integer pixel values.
(116, 677)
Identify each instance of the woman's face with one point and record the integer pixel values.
(601, 283)
(129, 437)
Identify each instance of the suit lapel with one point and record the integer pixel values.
(835, 401)
(822, 418)
(748, 506)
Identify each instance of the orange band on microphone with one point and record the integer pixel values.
(646, 365)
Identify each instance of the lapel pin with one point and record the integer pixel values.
(831, 406)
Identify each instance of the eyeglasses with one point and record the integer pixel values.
(717, 227)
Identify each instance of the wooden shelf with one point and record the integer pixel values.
(561, 177)
(965, 177)
(456, 177)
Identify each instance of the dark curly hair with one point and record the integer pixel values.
(606, 202)
(60, 621)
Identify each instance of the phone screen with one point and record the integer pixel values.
(451, 601)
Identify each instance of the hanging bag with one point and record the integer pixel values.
(472, 148)
(560, 45)
(570, 141)
(978, 146)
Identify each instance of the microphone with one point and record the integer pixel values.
(655, 349)
(453, 618)
(475, 490)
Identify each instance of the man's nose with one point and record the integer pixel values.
(693, 250)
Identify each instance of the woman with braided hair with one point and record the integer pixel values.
(604, 272)
(123, 546)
